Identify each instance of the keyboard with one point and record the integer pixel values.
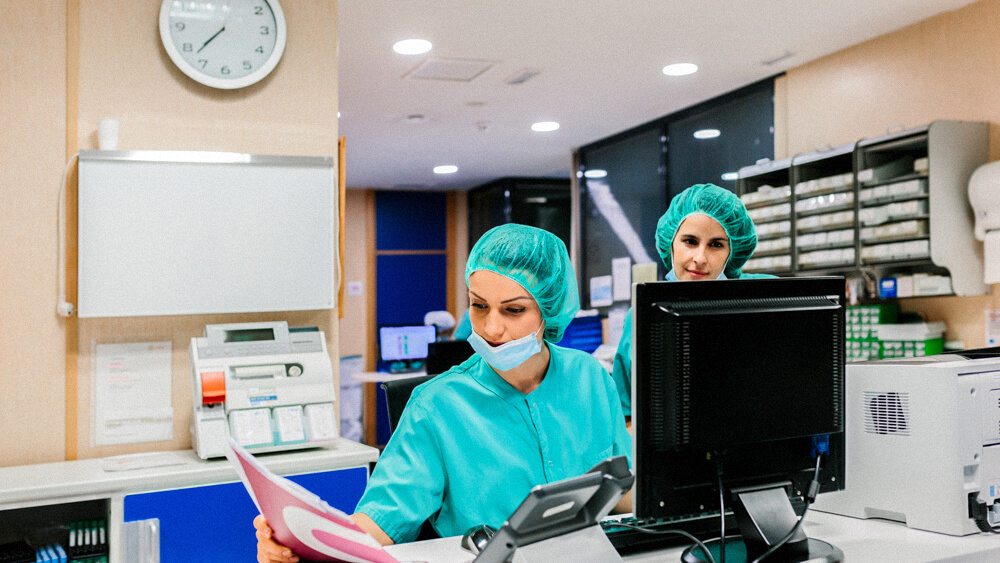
(626, 539)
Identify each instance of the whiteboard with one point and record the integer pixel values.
(184, 233)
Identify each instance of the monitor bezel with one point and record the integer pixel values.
(647, 504)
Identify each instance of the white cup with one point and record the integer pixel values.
(107, 134)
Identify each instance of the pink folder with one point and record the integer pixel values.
(302, 521)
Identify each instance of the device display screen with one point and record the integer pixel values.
(249, 335)
(405, 342)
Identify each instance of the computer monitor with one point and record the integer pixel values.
(736, 385)
(442, 356)
(405, 343)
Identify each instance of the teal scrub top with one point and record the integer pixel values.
(621, 370)
(469, 447)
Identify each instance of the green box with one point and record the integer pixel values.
(862, 349)
(912, 348)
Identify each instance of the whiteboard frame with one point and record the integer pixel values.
(194, 232)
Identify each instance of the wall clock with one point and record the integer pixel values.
(223, 43)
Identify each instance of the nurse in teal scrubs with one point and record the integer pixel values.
(705, 234)
(521, 412)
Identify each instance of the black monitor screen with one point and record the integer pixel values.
(746, 376)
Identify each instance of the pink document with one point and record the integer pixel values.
(301, 520)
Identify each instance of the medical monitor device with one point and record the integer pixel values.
(265, 384)
(741, 383)
(401, 343)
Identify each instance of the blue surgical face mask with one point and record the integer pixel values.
(508, 355)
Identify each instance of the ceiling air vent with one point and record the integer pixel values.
(455, 70)
(887, 413)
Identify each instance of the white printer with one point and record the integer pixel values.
(268, 386)
(923, 442)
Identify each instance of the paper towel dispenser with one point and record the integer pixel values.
(984, 195)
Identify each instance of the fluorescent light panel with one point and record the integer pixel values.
(412, 46)
(544, 126)
(680, 69)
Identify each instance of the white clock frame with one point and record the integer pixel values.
(281, 31)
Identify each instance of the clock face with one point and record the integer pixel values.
(223, 43)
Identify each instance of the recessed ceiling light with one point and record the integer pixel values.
(706, 133)
(445, 169)
(595, 173)
(680, 69)
(338, 115)
(412, 46)
(730, 176)
(544, 126)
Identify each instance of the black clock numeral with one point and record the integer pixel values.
(247, 65)
(203, 62)
(187, 47)
(258, 10)
(265, 30)
(224, 70)
(259, 49)
(179, 26)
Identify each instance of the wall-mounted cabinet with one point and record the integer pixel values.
(766, 191)
(892, 205)
(825, 219)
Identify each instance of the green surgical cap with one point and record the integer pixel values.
(537, 260)
(719, 204)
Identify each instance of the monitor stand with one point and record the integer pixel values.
(765, 516)
(589, 545)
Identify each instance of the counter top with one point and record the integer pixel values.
(87, 478)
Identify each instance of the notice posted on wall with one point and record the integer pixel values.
(130, 393)
(621, 274)
(992, 327)
(600, 291)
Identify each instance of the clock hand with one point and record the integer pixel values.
(210, 39)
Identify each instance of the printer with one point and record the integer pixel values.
(268, 386)
(923, 442)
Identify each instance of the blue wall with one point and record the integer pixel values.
(407, 286)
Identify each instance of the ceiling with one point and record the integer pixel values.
(598, 65)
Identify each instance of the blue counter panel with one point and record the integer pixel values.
(215, 522)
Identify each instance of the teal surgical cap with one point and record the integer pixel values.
(719, 204)
(537, 260)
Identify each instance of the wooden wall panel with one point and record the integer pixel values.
(942, 68)
(178, 330)
(458, 209)
(32, 153)
(354, 333)
(105, 60)
(291, 112)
